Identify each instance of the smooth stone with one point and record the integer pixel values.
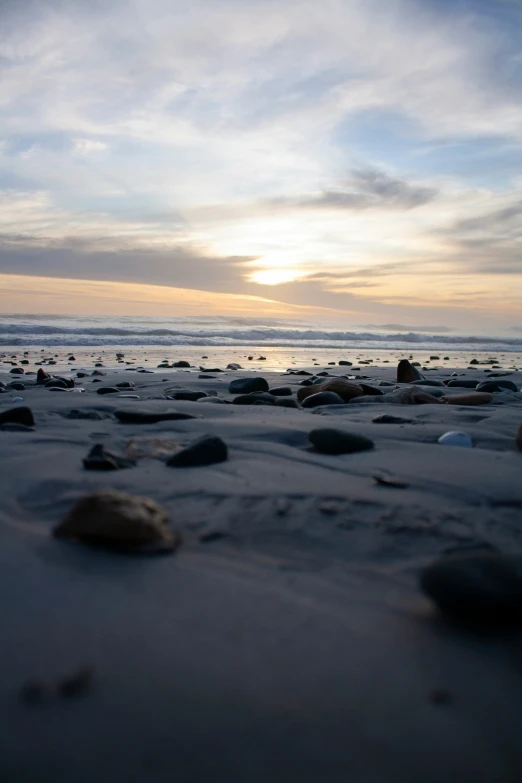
(387, 418)
(181, 363)
(407, 373)
(185, 394)
(125, 385)
(13, 426)
(56, 383)
(206, 377)
(285, 402)
(281, 391)
(496, 386)
(98, 372)
(207, 450)
(100, 458)
(426, 382)
(213, 400)
(456, 439)
(345, 389)
(20, 415)
(211, 369)
(132, 416)
(17, 386)
(79, 374)
(107, 390)
(253, 398)
(483, 588)
(471, 398)
(121, 522)
(344, 363)
(59, 389)
(322, 398)
(333, 441)
(93, 415)
(234, 366)
(247, 385)
(464, 383)
(374, 391)
(17, 371)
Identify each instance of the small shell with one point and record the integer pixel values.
(118, 521)
(456, 439)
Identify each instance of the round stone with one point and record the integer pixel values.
(333, 441)
(456, 439)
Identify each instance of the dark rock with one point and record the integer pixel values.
(211, 369)
(434, 358)
(107, 390)
(463, 383)
(322, 398)
(474, 361)
(345, 389)
(234, 366)
(261, 358)
(333, 441)
(93, 415)
(426, 382)
(496, 386)
(98, 372)
(286, 402)
(247, 385)
(20, 415)
(13, 426)
(79, 374)
(24, 361)
(281, 391)
(17, 386)
(322, 374)
(480, 588)
(344, 363)
(17, 371)
(72, 358)
(56, 383)
(406, 372)
(298, 372)
(181, 363)
(253, 398)
(185, 394)
(205, 451)
(133, 416)
(100, 458)
(97, 380)
(373, 390)
(98, 364)
(206, 377)
(386, 418)
(125, 385)
(121, 522)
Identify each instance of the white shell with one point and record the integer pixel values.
(456, 439)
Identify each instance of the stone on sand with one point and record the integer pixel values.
(333, 441)
(247, 385)
(345, 389)
(207, 450)
(406, 372)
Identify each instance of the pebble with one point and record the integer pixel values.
(16, 386)
(13, 426)
(76, 413)
(133, 416)
(119, 521)
(185, 394)
(406, 372)
(386, 418)
(471, 398)
(181, 363)
(214, 400)
(234, 366)
(107, 390)
(281, 391)
(373, 391)
(484, 588)
(345, 389)
(247, 385)
(207, 450)
(333, 441)
(17, 371)
(456, 439)
(286, 402)
(426, 382)
(344, 363)
(496, 386)
(253, 398)
(463, 383)
(100, 458)
(125, 385)
(322, 398)
(20, 415)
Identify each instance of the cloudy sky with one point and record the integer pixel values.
(357, 161)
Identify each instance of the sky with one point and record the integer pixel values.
(355, 161)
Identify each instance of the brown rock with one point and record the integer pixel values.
(345, 389)
(118, 521)
(406, 372)
(471, 398)
(42, 376)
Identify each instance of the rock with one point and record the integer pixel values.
(98, 372)
(207, 450)
(333, 441)
(17, 386)
(107, 390)
(98, 364)
(152, 448)
(386, 418)
(345, 389)
(181, 363)
(344, 363)
(12, 426)
(456, 439)
(100, 458)
(496, 386)
(133, 416)
(471, 398)
(118, 521)
(370, 390)
(55, 383)
(82, 374)
(125, 385)
(185, 394)
(253, 398)
(426, 382)
(285, 402)
(17, 371)
(247, 385)
(213, 399)
(281, 391)
(24, 361)
(234, 366)
(72, 358)
(474, 361)
(261, 358)
(210, 369)
(518, 439)
(406, 372)
(20, 415)
(483, 588)
(434, 358)
(464, 383)
(92, 415)
(322, 398)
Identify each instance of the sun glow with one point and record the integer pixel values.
(274, 276)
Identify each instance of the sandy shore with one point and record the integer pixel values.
(287, 639)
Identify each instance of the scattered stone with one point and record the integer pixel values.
(285, 402)
(483, 588)
(322, 398)
(386, 418)
(55, 383)
(181, 363)
(406, 372)
(464, 383)
(185, 394)
(20, 415)
(82, 374)
(247, 385)
(72, 358)
(434, 358)
(214, 399)
(345, 389)
(76, 683)
(333, 441)
(471, 398)
(211, 369)
(17, 371)
(474, 361)
(298, 372)
(153, 448)
(234, 366)
(100, 458)
(344, 363)
(107, 390)
(281, 391)
(374, 391)
(125, 385)
(253, 398)
(426, 382)
(496, 386)
(207, 450)
(206, 377)
(17, 386)
(121, 522)
(456, 439)
(98, 372)
(93, 415)
(133, 416)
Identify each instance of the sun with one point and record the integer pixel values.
(274, 276)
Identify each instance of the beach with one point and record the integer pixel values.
(288, 636)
